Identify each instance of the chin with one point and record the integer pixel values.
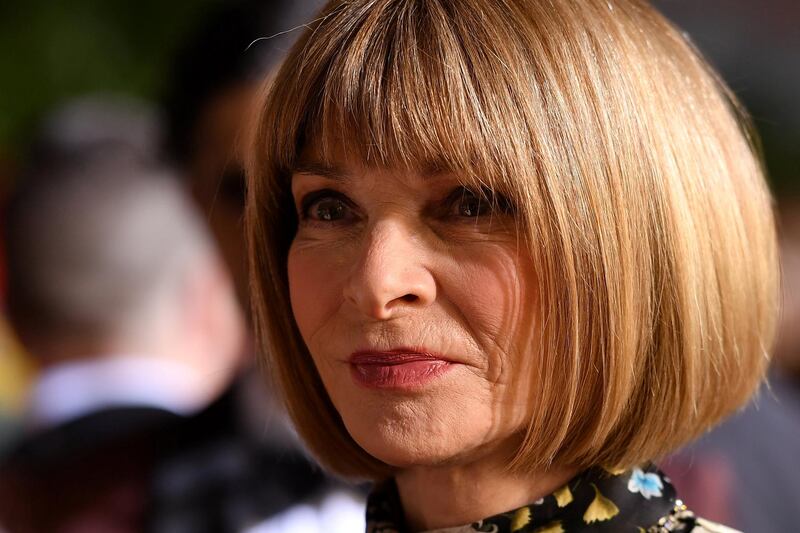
(411, 433)
(405, 452)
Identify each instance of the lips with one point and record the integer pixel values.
(400, 368)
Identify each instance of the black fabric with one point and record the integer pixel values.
(88, 434)
(216, 480)
(140, 469)
(90, 474)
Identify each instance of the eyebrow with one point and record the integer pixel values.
(318, 168)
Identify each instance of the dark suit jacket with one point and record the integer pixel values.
(136, 469)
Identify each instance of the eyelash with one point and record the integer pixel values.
(487, 202)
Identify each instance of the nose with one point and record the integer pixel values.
(390, 277)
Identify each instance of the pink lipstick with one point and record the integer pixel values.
(401, 368)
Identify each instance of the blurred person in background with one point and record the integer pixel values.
(117, 292)
(745, 472)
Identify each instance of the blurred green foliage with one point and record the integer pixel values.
(51, 51)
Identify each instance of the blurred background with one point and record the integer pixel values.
(158, 90)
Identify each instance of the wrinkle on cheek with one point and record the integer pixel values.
(318, 339)
(498, 312)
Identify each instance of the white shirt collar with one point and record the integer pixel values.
(73, 389)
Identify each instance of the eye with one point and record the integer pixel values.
(325, 205)
(466, 203)
(328, 209)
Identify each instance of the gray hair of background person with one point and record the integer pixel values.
(97, 246)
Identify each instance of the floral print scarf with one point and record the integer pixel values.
(595, 501)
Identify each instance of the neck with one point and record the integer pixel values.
(452, 495)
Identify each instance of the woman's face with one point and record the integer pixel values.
(415, 300)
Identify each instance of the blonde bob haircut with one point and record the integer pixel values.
(638, 187)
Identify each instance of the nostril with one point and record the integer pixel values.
(410, 298)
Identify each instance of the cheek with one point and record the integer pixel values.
(313, 288)
(495, 293)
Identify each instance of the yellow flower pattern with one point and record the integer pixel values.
(600, 509)
(563, 496)
(522, 517)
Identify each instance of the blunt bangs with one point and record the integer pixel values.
(409, 85)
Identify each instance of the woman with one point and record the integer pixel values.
(505, 253)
